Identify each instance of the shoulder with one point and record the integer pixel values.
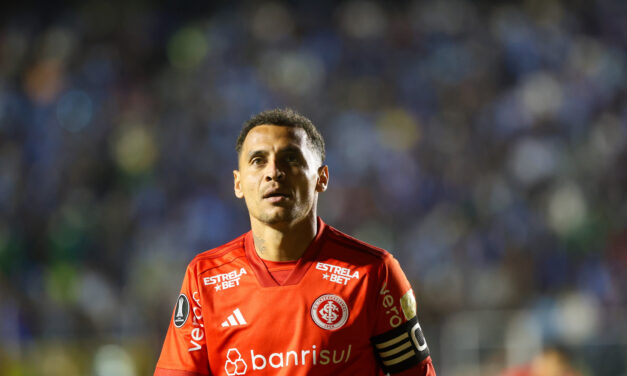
(219, 256)
(355, 248)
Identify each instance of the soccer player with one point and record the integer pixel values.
(293, 296)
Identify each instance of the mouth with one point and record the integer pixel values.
(276, 196)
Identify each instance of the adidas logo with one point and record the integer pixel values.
(235, 319)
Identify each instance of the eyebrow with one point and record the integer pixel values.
(285, 150)
(290, 149)
(256, 153)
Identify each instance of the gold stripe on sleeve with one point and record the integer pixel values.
(394, 361)
(395, 350)
(392, 341)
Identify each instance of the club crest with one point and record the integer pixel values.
(329, 312)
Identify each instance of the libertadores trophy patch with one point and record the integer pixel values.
(329, 312)
(181, 311)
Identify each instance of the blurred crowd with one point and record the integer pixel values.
(483, 143)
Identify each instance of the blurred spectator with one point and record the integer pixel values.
(552, 361)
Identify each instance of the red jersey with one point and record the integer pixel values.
(345, 309)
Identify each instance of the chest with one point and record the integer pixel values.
(325, 320)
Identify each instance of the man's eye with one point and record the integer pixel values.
(256, 161)
(291, 159)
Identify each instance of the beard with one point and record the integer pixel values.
(283, 214)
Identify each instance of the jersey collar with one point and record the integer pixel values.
(304, 263)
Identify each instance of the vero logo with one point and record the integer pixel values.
(235, 319)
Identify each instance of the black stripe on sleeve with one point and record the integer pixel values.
(401, 348)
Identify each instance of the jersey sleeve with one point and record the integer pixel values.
(184, 351)
(398, 341)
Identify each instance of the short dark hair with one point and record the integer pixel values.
(283, 117)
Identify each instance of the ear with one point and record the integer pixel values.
(237, 185)
(323, 179)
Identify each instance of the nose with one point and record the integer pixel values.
(274, 171)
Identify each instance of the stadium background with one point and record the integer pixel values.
(482, 142)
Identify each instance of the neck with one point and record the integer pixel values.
(284, 242)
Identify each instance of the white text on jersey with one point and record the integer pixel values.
(226, 280)
(337, 274)
(198, 333)
(259, 361)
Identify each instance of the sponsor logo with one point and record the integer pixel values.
(408, 305)
(390, 308)
(197, 338)
(235, 319)
(181, 311)
(236, 365)
(329, 312)
(225, 280)
(336, 273)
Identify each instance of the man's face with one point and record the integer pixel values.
(279, 175)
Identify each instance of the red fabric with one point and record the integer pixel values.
(280, 270)
(175, 372)
(319, 321)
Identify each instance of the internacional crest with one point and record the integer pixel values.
(329, 312)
